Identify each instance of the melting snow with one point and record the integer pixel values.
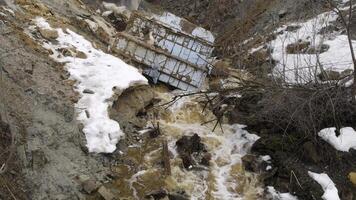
(344, 142)
(175, 22)
(330, 191)
(266, 158)
(280, 196)
(100, 73)
(301, 67)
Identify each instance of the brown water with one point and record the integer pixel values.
(225, 178)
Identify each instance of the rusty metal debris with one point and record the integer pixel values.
(171, 49)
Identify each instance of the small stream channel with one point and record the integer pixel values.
(224, 178)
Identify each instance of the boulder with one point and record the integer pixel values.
(318, 50)
(130, 107)
(181, 195)
(192, 151)
(88, 91)
(346, 72)
(106, 194)
(251, 163)
(292, 28)
(157, 194)
(352, 177)
(48, 34)
(72, 52)
(298, 47)
(89, 186)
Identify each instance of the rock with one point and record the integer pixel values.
(106, 194)
(329, 75)
(328, 29)
(190, 144)
(80, 54)
(251, 163)
(206, 159)
(192, 151)
(72, 52)
(346, 72)
(118, 21)
(88, 91)
(282, 13)
(130, 106)
(157, 194)
(29, 68)
(48, 34)
(178, 196)
(352, 177)
(298, 47)
(292, 28)
(89, 186)
(100, 28)
(65, 75)
(318, 50)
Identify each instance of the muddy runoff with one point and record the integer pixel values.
(202, 164)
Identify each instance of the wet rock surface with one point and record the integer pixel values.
(192, 152)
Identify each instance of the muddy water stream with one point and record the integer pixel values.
(225, 178)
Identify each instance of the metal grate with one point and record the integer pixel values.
(177, 58)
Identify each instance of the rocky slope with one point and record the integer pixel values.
(166, 152)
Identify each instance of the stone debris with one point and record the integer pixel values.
(157, 194)
(102, 29)
(72, 52)
(48, 34)
(88, 91)
(106, 194)
(192, 152)
(89, 186)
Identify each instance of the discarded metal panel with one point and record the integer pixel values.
(177, 57)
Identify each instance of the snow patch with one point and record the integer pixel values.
(175, 22)
(330, 190)
(266, 158)
(279, 196)
(344, 142)
(302, 67)
(99, 73)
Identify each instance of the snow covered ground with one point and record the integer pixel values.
(99, 77)
(279, 196)
(344, 142)
(301, 67)
(330, 190)
(175, 22)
